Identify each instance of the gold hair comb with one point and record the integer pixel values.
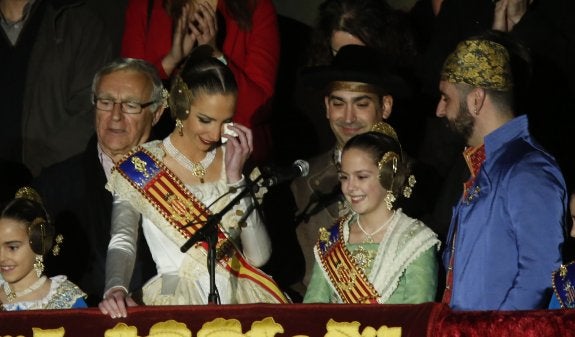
(386, 129)
(29, 193)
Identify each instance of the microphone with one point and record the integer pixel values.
(208, 230)
(299, 168)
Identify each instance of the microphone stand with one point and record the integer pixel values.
(209, 234)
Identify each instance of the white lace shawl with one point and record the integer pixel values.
(403, 242)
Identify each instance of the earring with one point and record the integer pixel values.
(39, 265)
(180, 127)
(408, 189)
(56, 249)
(389, 200)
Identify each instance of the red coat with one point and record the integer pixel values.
(253, 57)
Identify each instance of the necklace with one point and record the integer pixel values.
(11, 295)
(369, 236)
(197, 169)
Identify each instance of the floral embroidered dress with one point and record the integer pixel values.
(63, 294)
(402, 268)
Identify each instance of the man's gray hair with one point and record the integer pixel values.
(139, 66)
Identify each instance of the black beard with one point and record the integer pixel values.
(463, 124)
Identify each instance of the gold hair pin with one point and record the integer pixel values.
(388, 156)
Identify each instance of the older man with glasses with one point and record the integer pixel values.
(128, 100)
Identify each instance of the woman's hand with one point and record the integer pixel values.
(183, 41)
(238, 150)
(205, 25)
(508, 13)
(116, 302)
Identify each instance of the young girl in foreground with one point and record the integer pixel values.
(25, 237)
(375, 254)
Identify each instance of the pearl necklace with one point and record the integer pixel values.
(197, 169)
(11, 295)
(369, 236)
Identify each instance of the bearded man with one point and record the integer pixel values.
(506, 231)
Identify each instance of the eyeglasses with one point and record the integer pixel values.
(127, 107)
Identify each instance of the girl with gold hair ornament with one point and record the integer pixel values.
(376, 253)
(26, 235)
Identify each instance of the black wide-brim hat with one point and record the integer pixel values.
(355, 63)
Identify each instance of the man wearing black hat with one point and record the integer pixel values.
(358, 92)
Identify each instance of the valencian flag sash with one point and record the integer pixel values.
(347, 278)
(187, 214)
(564, 285)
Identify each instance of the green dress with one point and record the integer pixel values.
(403, 267)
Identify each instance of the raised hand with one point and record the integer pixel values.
(183, 41)
(204, 24)
(238, 150)
(508, 13)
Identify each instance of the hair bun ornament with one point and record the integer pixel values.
(389, 156)
(386, 129)
(179, 98)
(40, 231)
(29, 193)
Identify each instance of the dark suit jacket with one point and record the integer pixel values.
(75, 196)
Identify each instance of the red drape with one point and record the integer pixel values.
(429, 319)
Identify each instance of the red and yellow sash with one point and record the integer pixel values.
(347, 278)
(187, 214)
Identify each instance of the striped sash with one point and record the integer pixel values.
(167, 194)
(564, 285)
(346, 277)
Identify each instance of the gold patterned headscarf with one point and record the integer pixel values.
(480, 63)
